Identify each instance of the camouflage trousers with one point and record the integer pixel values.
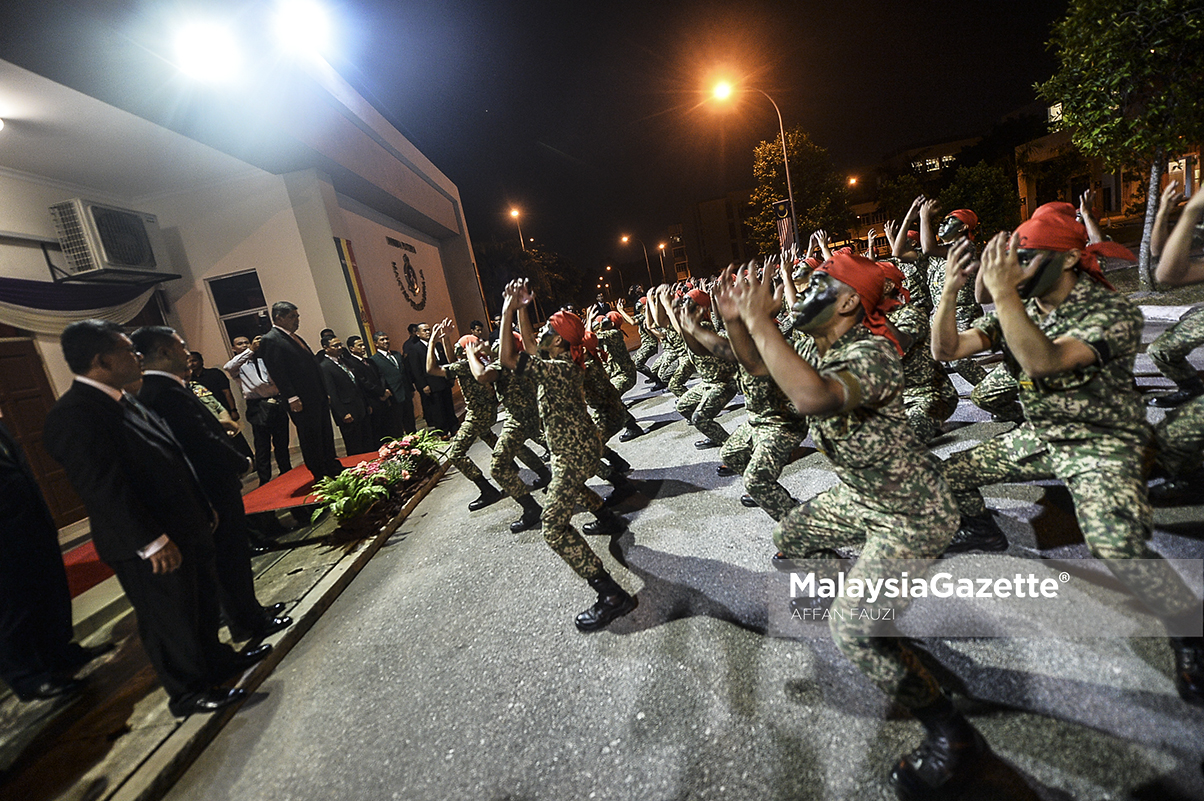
(841, 518)
(1180, 438)
(759, 450)
(623, 381)
(998, 393)
(645, 352)
(511, 444)
(569, 473)
(1104, 477)
(702, 403)
(1169, 351)
(928, 407)
(684, 372)
(667, 365)
(472, 429)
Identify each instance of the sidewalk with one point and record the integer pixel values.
(117, 740)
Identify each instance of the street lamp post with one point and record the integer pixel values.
(661, 248)
(724, 91)
(521, 241)
(647, 263)
(619, 270)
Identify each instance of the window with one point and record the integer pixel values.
(240, 305)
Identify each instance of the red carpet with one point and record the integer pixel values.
(292, 488)
(84, 568)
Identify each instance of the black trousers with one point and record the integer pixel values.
(177, 616)
(405, 407)
(315, 431)
(232, 562)
(357, 437)
(440, 411)
(269, 437)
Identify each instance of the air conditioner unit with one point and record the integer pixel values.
(109, 245)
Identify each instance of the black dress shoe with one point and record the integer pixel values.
(86, 653)
(208, 701)
(978, 533)
(273, 625)
(50, 688)
(704, 444)
(749, 501)
(275, 610)
(252, 656)
(724, 471)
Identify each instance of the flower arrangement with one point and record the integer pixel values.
(354, 491)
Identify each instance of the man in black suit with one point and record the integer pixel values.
(382, 409)
(435, 391)
(151, 522)
(395, 373)
(292, 366)
(346, 400)
(37, 655)
(219, 467)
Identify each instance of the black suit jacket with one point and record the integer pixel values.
(396, 377)
(293, 369)
(209, 448)
(131, 473)
(345, 395)
(415, 353)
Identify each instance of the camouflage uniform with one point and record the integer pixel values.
(1169, 351)
(685, 367)
(1086, 428)
(649, 344)
(703, 402)
(606, 408)
(762, 444)
(892, 503)
(518, 394)
(928, 394)
(1180, 438)
(666, 366)
(619, 367)
(967, 312)
(575, 446)
(480, 414)
(998, 393)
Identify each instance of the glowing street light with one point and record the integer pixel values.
(207, 51)
(723, 90)
(302, 27)
(852, 180)
(647, 263)
(661, 248)
(521, 241)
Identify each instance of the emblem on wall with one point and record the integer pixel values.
(411, 282)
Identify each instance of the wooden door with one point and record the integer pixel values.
(26, 398)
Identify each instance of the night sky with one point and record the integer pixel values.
(595, 119)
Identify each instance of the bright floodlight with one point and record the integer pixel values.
(723, 90)
(207, 51)
(302, 27)
(513, 212)
(624, 239)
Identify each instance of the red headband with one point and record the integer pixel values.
(464, 341)
(699, 297)
(572, 330)
(914, 236)
(1053, 227)
(866, 278)
(892, 273)
(966, 216)
(615, 318)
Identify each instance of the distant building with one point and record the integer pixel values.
(716, 234)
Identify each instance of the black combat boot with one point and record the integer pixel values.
(607, 523)
(1178, 489)
(1189, 668)
(978, 533)
(489, 494)
(542, 480)
(613, 602)
(531, 512)
(624, 489)
(1192, 388)
(620, 464)
(945, 762)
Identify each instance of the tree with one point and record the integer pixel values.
(555, 281)
(819, 192)
(989, 192)
(1129, 80)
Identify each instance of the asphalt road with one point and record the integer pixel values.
(451, 669)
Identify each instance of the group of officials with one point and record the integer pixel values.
(139, 435)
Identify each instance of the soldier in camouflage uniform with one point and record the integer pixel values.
(554, 361)
(703, 402)
(1169, 353)
(956, 226)
(892, 502)
(609, 415)
(649, 344)
(480, 414)
(620, 368)
(761, 446)
(1071, 342)
(518, 395)
(928, 395)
